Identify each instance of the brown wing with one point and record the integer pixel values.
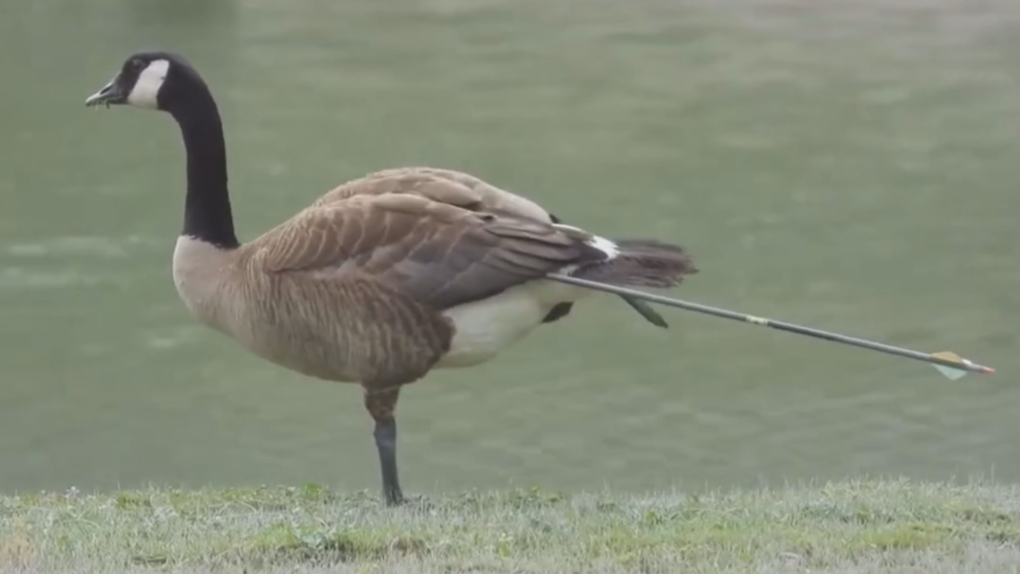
(466, 191)
(435, 253)
(443, 185)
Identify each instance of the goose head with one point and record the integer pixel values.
(150, 80)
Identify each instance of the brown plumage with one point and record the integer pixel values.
(383, 278)
(382, 268)
(470, 192)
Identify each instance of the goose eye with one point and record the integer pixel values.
(136, 65)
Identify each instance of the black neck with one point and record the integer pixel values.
(207, 214)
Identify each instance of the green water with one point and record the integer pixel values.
(853, 167)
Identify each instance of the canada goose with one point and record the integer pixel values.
(385, 277)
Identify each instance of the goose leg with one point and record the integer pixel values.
(381, 404)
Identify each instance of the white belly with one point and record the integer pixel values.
(484, 328)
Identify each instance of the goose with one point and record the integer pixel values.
(382, 279)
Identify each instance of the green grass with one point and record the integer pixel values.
(852, 527)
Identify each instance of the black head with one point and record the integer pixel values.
(153, 80)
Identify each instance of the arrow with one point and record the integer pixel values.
(948, 363)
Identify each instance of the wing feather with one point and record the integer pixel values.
(436, 253)
(465, 191)
(442, 185)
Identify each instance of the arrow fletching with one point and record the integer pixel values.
(955, 373)
(951, 373)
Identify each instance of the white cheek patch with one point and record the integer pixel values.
(146, 89)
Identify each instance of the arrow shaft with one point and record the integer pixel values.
(778, 325)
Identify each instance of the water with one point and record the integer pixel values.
(851, 166)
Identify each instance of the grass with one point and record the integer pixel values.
(852, 527)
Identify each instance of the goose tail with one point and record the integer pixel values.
(638, 263)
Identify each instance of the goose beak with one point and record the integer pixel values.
(110, 94)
